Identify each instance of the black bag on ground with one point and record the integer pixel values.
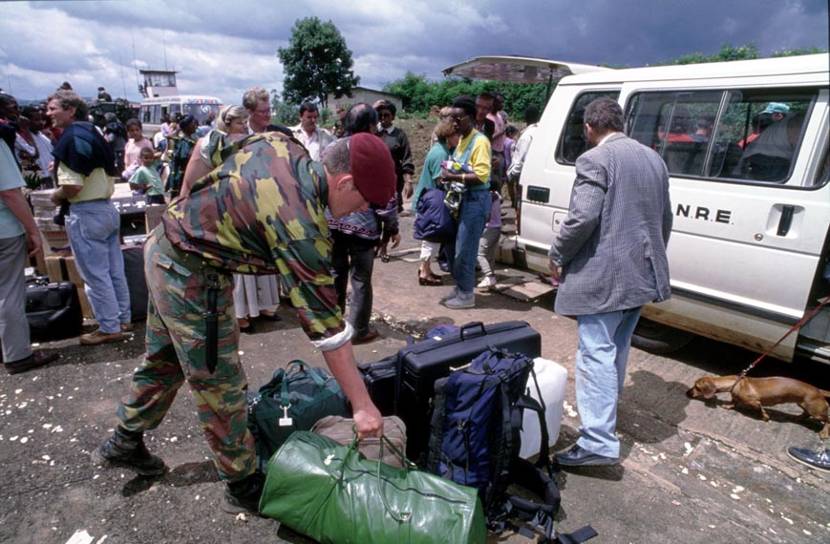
(53, 310)
(475, 440)
(381, 378)
(420, 364)
(136, 282)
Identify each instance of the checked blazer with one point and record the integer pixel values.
(612, 244)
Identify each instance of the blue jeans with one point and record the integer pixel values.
(475, 209)
(93, 234)
(604, 341)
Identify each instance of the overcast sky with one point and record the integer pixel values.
(221, 48)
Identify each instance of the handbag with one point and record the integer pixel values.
(341, 430)
(333, 494)
(433, 220)
(294, 399)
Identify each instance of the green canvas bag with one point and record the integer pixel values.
(332, 494)
(294, 399)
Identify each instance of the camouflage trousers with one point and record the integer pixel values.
(175, 343)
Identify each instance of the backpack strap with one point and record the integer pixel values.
(577, 537)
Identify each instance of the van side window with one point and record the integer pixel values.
(572, 143)
(823, 173)
(750, 135)
(759, 134)
(678, 125)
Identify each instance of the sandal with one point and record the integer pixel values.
(429, 280)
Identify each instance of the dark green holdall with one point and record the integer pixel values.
(294, 399)
(332, 494)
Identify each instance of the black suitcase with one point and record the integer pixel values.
(381, 379)
(134, 272)
(424, 362)
(53, 310)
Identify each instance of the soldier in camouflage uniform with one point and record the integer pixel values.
(261, 211)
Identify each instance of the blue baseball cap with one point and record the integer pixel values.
(776, 107)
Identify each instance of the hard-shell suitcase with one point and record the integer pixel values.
(424, 362)
(381, 379)
(53, 310)
(551, 378)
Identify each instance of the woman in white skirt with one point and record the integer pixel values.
(253, 296)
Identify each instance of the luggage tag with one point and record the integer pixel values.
(285, 420)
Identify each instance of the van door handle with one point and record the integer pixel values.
(786, 220)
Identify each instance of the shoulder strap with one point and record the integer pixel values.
(465, 156)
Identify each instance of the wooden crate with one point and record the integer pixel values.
(64, 269)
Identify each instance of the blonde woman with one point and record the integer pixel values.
(253, 296)
(445, 141)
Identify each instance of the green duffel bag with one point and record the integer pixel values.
(294, 399)
(332, 494)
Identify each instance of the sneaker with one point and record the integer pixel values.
(576, 456)
(453, 294)
(99, 337)
(34, 360)
(815, 459)
(243, 496)
(126, 449)
(461, 302)
(487, 283)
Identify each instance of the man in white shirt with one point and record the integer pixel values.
(520, 153)
(314, 139)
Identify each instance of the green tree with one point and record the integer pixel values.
(316, 62)
(282, 113)
(418, 94)
(727, 52)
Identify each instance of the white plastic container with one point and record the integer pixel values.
(552, 378)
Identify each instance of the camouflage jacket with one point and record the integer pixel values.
(261, 211)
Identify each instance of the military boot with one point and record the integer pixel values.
(126, 449)
(243, 495)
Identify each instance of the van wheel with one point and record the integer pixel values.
(658, 338)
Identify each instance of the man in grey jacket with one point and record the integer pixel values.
(610, 256)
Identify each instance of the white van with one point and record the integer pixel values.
(154, 109)
(748, 252)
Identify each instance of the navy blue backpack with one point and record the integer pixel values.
(475, 441)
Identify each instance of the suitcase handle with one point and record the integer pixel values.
(472, 325)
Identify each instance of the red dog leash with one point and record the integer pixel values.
(803, 321)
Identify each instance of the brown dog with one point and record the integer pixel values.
(759, 392)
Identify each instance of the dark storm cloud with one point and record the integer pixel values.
(223, 47)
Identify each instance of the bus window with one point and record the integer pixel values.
(572, 143)
(678, 125)
(753, 137)
(759, 134)
(200, 111)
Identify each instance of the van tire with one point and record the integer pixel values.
(658, 338)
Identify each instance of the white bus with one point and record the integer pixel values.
(748, 253)
(153, 109)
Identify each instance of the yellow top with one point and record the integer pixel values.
(479, 157)
(96, 186)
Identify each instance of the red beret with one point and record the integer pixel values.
(373, 170)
